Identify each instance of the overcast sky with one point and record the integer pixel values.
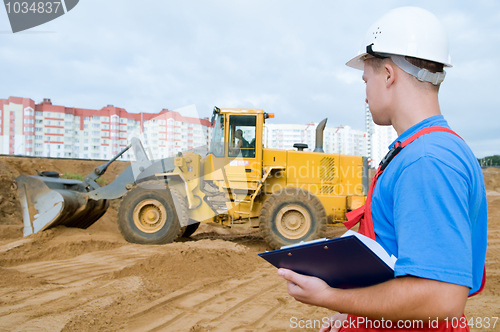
(284, 56)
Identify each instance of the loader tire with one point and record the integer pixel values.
(190, 229)
(147, 214)
(290, 216)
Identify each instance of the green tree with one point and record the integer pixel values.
(490, 161)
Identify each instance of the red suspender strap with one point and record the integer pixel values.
(426, 131)
(363, 215)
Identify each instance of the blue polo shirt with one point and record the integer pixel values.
(429, 208)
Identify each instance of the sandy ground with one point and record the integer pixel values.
(92, 280)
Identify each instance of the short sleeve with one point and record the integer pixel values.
(431, 222)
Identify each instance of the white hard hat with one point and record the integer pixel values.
(405, 31)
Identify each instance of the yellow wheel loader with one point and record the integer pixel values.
(290, 195)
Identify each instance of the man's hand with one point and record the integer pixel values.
(400, 298)
(331, 323)
(309, 290)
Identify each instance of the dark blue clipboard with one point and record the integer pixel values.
(344, 262)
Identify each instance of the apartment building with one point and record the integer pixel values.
(48, 130)
(379, 139)
(341, 139)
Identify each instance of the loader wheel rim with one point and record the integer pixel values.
(150, 216)
(293, 221)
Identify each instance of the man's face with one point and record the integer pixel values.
(376, 94)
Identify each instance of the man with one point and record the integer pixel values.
(242, 144)
(427, 205)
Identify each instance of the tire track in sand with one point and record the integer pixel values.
(249, 303)
(77, 279)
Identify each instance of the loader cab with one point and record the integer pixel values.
(237, 143)
(242, 132)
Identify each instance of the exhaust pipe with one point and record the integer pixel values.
(319, 136)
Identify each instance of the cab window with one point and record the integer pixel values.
(217, 144)
(242, 131)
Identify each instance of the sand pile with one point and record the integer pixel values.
(30, 166)
(492, 178)
(10, 208)
(55, 244)
(183, 263)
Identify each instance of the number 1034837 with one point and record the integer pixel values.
(40, 7)
(472, 322)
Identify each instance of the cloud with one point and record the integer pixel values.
(348, 76)
(284, 56)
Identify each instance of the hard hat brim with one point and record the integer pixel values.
(358, 62)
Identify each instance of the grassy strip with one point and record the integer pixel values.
(75, 176)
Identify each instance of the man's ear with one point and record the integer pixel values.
(389, 74)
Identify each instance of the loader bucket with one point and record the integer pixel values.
(48, 202)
